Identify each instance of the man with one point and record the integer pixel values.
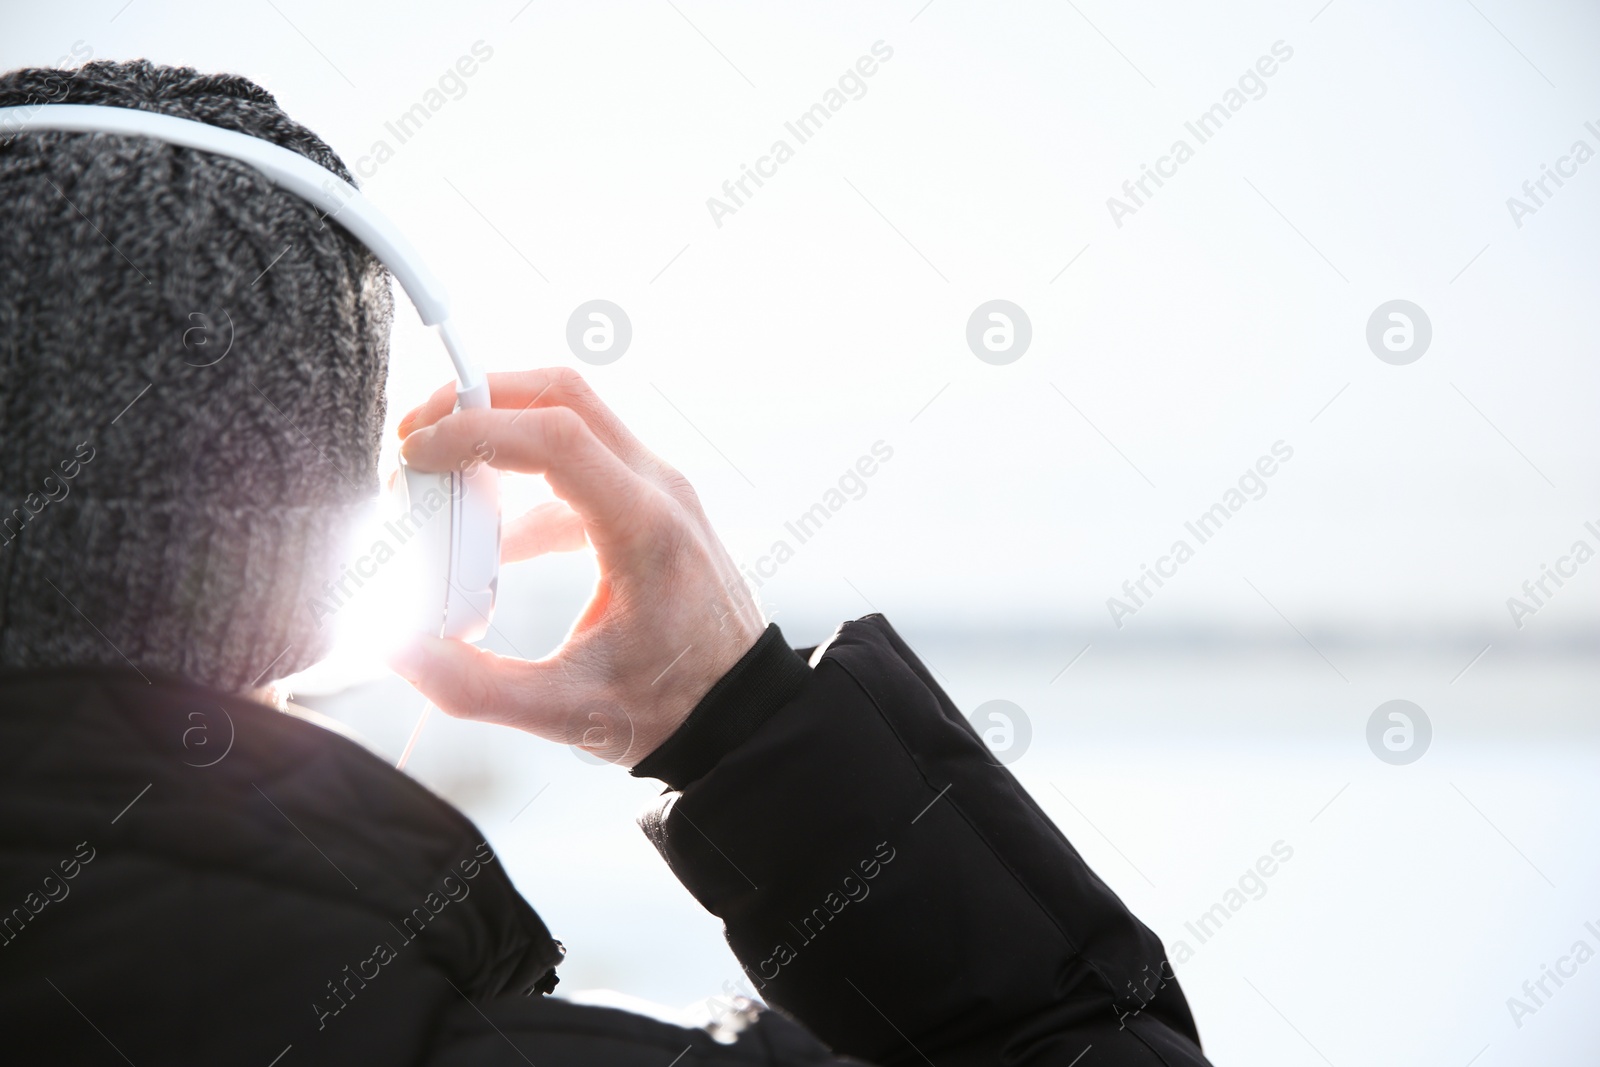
(191, 400)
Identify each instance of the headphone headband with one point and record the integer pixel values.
(318, 186)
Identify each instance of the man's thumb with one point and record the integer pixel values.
(464, 681)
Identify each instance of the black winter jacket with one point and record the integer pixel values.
(888, 887)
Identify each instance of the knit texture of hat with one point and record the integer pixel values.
(192, 368)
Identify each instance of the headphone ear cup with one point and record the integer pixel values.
(456, 515)
(426, 506)
(474, 576)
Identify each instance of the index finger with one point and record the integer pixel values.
(615, 502)
(545, 387)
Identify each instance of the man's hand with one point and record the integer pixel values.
(670, 614)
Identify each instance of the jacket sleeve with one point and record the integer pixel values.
(886, 882)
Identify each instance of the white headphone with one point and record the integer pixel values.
(463, 553)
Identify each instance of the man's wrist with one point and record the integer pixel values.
(765, 678)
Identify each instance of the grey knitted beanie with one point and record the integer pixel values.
(192, 368)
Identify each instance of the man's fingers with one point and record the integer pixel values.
(614, 501)
(546, 387)
(552, 527)
(537, 697)
(441, 403)
(474, 683)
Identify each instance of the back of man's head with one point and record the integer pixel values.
(192, 368)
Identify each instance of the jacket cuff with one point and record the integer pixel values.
(765, 678)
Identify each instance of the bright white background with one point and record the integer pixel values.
(1228, 313)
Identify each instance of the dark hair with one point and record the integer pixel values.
(215, 506)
